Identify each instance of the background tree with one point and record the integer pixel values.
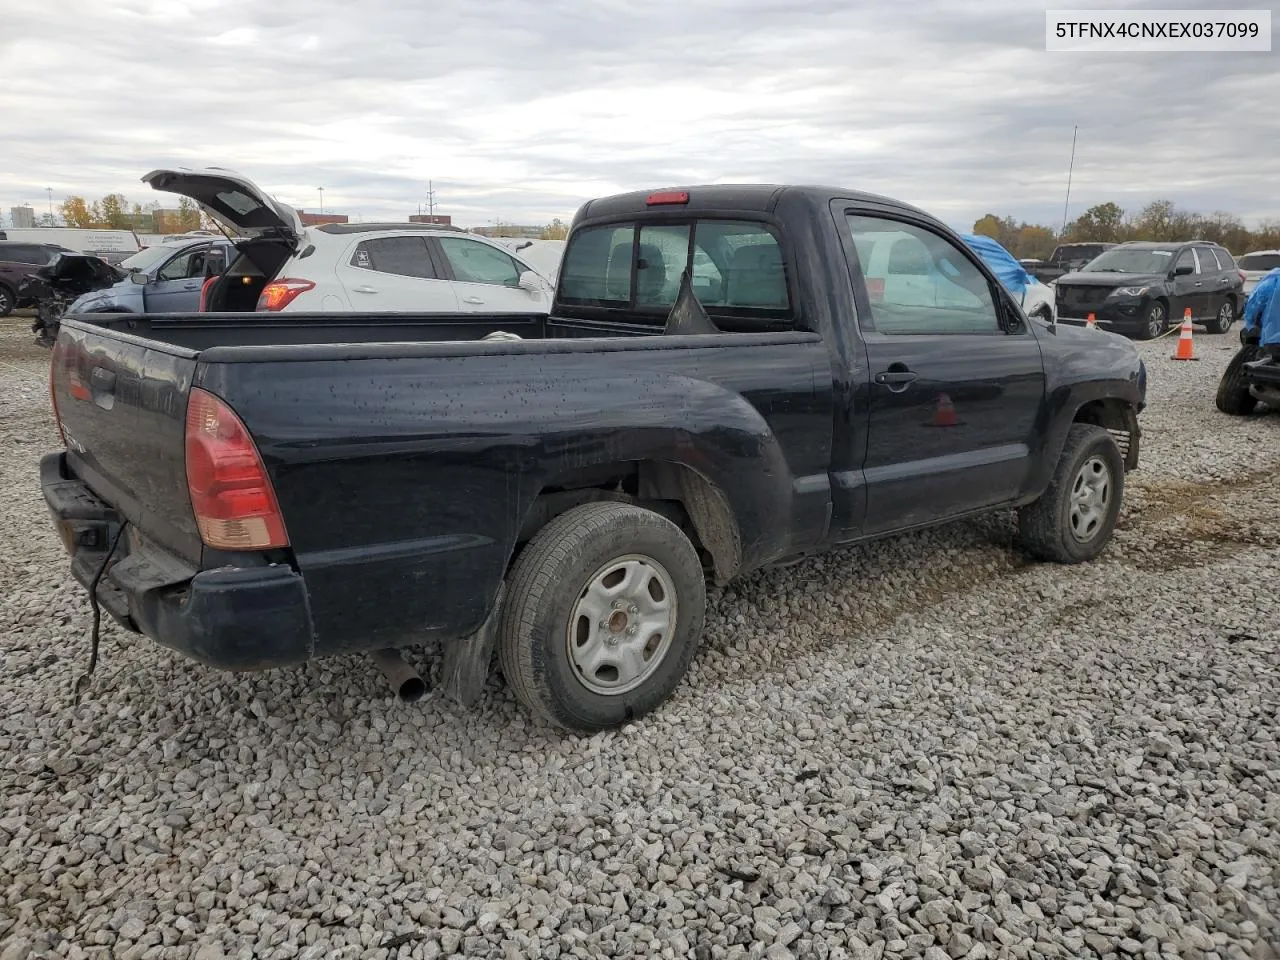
(76, 213)
(1035, 241)
(555, 230)
(114, 206)
(1101, 223)
(188, 215)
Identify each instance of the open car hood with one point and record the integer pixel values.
(236, 202)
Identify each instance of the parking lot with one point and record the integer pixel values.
(926, 747)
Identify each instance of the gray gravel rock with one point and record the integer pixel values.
(1012, 760)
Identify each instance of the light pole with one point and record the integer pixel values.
(321, 189)
(49, 191)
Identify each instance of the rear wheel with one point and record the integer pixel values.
(6, 301)
(1074, 518)
(1234, 397)
(1226, 316)
(1155, 321)
(603, 614)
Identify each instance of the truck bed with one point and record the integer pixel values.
(202, 331)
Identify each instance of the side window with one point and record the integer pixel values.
(1186, 259)
(597, 267)
(189, 263)
(402, 256)
(475, 262)
(919, 282)
(1224, 258)
(1208, 264)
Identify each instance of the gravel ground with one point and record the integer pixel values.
(924, 748)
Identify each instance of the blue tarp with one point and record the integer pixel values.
(1263, 308)
(1002, 263)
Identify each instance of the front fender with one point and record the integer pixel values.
(1082, 367)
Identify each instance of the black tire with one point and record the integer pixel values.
(1048, 528)
(1233, 396)
(547, 584)
(7, 301)
(1225, 318)
(1155, 321)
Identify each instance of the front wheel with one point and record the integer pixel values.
(1075, 517)
(1155, 321)
(6, 301)
(603, 614)
(1222, 322)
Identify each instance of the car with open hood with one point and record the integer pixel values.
(165, 278)
(1142, 287)
(283, 265)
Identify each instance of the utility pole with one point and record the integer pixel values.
(49, 191)
(431, 200)
(321, 189)
(1070, 167)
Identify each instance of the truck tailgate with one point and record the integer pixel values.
(122, 403)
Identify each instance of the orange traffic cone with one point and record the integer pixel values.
(945, 414)
(1091, 323)
(1186, 349)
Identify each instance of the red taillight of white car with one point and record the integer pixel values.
(231, 494)
(278, 294)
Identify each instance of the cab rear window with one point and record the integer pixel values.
(736, 269)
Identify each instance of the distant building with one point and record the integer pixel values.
(168, 220)
(316, 219)
(144, 222)
(23, 216)
(443, 219)
(510, 230)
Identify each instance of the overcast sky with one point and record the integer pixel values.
(521, 110)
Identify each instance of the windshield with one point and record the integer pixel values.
(1119, 260)
(144, 260)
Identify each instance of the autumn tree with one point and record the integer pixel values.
(1034, 241)
(76, 213)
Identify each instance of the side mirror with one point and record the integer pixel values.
(1182, 269)
(531, 283)
(139, 278)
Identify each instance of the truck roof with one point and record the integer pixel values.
(752, 197)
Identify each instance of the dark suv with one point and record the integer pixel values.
(1142, 287)
(17, 260)
(1066, 257)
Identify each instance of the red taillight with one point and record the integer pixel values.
(204, 294)
(280, 293)
(231, 495)
(667, 196)
(1243, 278)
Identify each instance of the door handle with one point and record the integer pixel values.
(472, 300)
(193, 285)
(1198, 284)
(897, 378)
(364, 290)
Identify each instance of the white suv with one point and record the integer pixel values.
(363, 267)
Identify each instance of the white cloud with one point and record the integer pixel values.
(523, 111)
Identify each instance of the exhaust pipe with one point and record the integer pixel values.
(404, 680)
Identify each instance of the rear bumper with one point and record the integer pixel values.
(236, 618)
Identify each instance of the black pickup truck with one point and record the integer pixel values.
(730, 377)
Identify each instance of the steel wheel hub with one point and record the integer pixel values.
(1090, 499)
(622, 624)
